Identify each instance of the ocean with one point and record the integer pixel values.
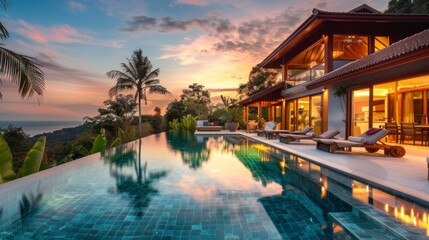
(38, 127)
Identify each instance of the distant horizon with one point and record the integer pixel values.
(213, 43)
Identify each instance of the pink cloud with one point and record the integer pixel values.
(194, 2)
(62, 34)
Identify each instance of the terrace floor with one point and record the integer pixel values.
(408, 174)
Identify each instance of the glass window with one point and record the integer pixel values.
(348, 48)
(290, 115)
(316, 113)
(381, 42)
(303, 112)
(360, 111)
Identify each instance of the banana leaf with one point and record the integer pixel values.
(100, 142)
(6, 161)
(116, 142)
(34, 158)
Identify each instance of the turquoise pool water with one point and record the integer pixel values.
(182, 186)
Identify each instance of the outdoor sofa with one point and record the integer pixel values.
(205, 125)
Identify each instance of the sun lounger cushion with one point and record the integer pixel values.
(329, 134)
(372, 131)
(310, 134)
(358, 139)
(270, 126)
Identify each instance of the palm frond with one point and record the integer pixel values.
(117, 74)
(3, 4)
(3, 32)
(23, 71)
(158, 89)
(151, 82)
(153, 74)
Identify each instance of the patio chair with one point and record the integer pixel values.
(268, 126)
(287, 138)
(409, 131)
(370, 140)
(393, 130)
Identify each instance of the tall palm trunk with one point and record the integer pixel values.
(140, 118)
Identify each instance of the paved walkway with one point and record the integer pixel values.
(408, 174)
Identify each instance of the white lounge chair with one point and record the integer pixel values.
(370, 140)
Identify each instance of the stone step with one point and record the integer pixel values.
(356, 227)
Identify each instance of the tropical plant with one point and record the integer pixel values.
(175, 125)
(19, 69)
(341, 93)
(32, 161)
(189, 123)
(137, 74)
(232, 115)
(100, 143)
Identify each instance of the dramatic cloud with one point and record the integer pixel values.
(254, 37)
(211, 25)
(62, 34)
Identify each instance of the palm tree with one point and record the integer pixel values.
(137, 75)
(19, 69)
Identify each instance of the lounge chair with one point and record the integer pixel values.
(370, 140)
(275, 133)
(287, 138)
(268, 126)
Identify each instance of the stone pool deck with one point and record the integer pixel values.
(408, 174)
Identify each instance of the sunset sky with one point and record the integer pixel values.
(211, 42)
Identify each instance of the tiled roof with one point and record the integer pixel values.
(405, 46)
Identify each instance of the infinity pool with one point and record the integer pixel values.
(182, 186)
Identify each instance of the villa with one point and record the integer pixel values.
(349, 71)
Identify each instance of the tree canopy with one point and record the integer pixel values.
(259, 80)
(408, 6)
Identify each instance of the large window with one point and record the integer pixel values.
(381, 42)
(360, 111)
(303, 112)
(308, 65)
(348, 48)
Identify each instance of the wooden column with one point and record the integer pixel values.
(283, 114)
(259, 112)
(329, 48)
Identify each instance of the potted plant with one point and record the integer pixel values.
(232, 118)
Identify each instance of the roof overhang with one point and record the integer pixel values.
(272, 94)
(311, 26)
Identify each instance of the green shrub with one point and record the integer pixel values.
(175, 125)
(189, 123)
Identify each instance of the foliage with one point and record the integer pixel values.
(156, 122)
(196, 93)
(19, 143)
(408, 6)
(6, 162)
(34, 158)
(138, 75)
(175, 125)
(259, 80)
(19, 69)
(175, 110)
(341, 93)
(196, 109)
(100, 143)
(32, 161)
(232, 115)
(189, 123)
(157, 110)
(117, 114)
